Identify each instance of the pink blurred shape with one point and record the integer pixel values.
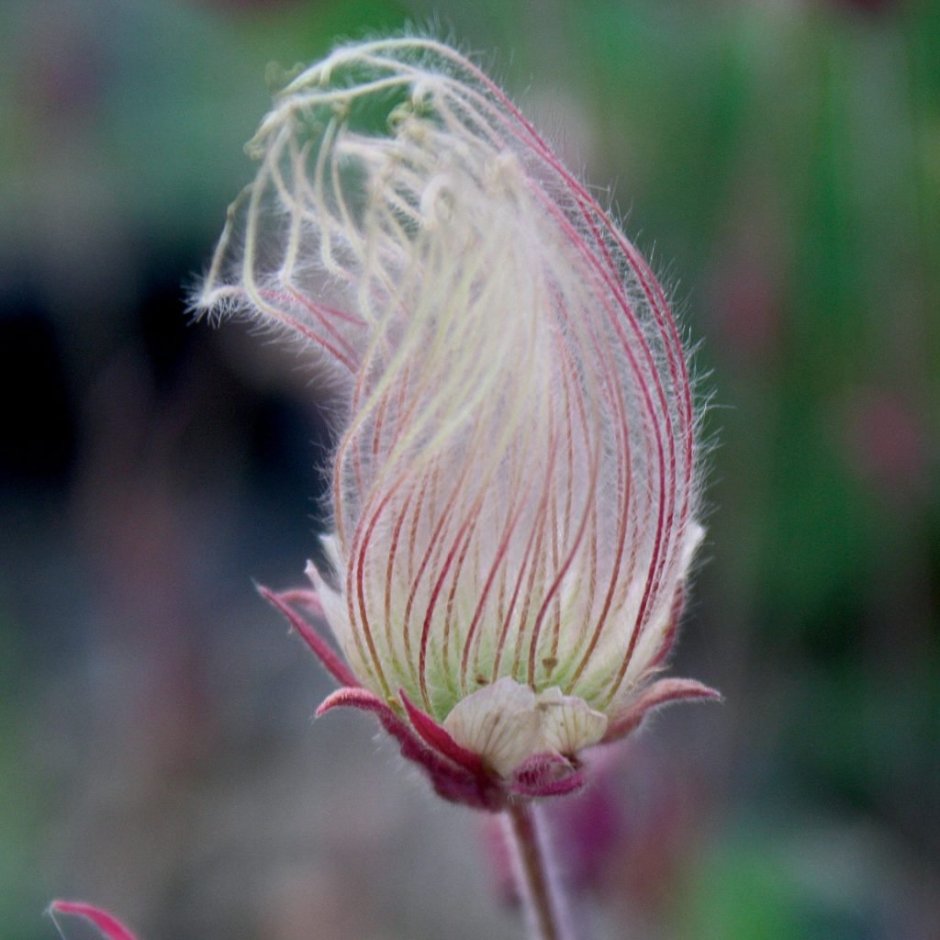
(111, 928)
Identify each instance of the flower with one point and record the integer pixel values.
(515, 487)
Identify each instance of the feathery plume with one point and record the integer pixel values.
(515, 487)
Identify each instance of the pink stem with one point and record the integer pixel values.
(536, 876)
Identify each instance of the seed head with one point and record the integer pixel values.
(515, 487)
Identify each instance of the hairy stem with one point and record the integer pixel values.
(536, 876)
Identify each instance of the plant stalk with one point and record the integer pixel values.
(536, 874)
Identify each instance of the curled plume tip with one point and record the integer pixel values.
(515, 488)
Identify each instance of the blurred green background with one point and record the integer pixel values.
(780, 161)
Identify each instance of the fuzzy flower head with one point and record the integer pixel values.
(514, 489)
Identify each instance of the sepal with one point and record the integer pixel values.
(451, 780)
(661, 693)
(330, 659)
(439, 738)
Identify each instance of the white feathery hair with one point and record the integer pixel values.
(515, 488)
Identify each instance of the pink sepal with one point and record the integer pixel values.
(439, 739)
(660, 693)
(547, 774)
(330, 659)
(450, 781)
(108, 924)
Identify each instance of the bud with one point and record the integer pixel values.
(515, 487)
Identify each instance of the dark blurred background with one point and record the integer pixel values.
(780, 161)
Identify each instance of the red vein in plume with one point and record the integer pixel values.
(355, 582)
(624, 482)
(351, 442)
(369, 650)
(512, 514)
(403, 418)
(464, 548)
(574, 393)
(655, 296)
(393, 551)
(590, 208)
(506, 616)
(513, 517)
(328, 311)
(615, 288)
(667, 489)
(107, 923)
(555, 557)
(545, 521)
(537, 574)
(429, 480)
(501, 604)
(565, 368)
(660, 307)
(443, 520)
(361, 541)
(668, 332)
(650, 595)
(323, 316)
(403, 410)
(470, 521)
(680, 384)
(554, 580)
(671, 344)
(345, 358)
(611, 394)
(645, 392)
(378, 425)
(340, 460)
(572, 552)
(654, 293)
(416, 516)
(535, 545)
(533, 139)
(559, 528)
